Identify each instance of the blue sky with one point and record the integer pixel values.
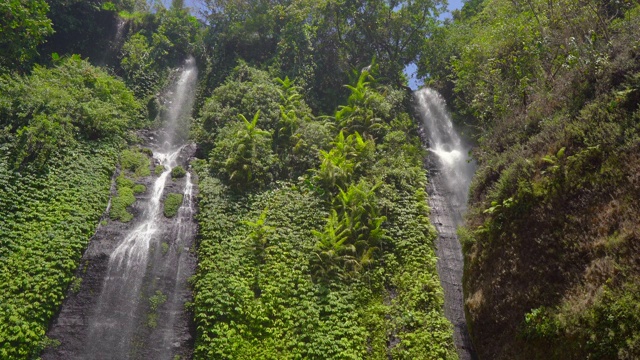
(455, 4)
(410, 70)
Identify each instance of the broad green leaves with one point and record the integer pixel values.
(323, 264)
(243, 155)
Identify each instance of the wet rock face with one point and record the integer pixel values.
(158, 326)
(449, 179)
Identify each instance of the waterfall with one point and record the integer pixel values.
(450, 174)
(118, 303)
(448, 147)
(110, 53)
(179, 104)
(131, 304)
(183, 235)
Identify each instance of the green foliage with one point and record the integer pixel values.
(76, 284)
(53, 108)
(108, 6)
(255, 282)
(122, 200)
(155, 301)
(309, 139)
(138, 65)
(163, 40)
(296, 137)
(258, 240)
(552, 89)
(175, 35)
(158, 170)
(172, 204)
(23, 26)
(46, 221)
(607, 329)
(329, 267)
(178, 172)
(139, 188)
(369, 108)
(136, 162)
(353, 233)
(288, 142)
(133, 162)
(242, 155)
(349, 157)
(319, 42)
(245, 92)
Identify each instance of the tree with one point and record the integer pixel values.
(320, 42)
(246, 91)
(23, 26)
(175, 35)
(395, 30)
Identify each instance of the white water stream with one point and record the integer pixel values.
(450, 173)
(447, 145)
(150, 260)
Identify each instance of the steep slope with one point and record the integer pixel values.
(312, 248)
(58, 152)
(130, 301)
(552, 238)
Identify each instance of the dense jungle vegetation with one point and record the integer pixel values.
(552, 240)
(314, 239)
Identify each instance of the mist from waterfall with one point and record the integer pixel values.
(446, 144)
(179, 102)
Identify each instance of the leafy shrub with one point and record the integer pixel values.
(119, 204)
(126, 190)
(135, 161)
(309, 139)
(349, 157)
(159, 169)
(242, 155)
(246, 92)
(353, 234)
(157, 300)
(172, 204)
(54, 107)
(178, 172)
(327, 267)
(25, 27)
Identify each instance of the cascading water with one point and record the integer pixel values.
(134, 288)
(115, 44)
(112, 326)
(449, 180)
